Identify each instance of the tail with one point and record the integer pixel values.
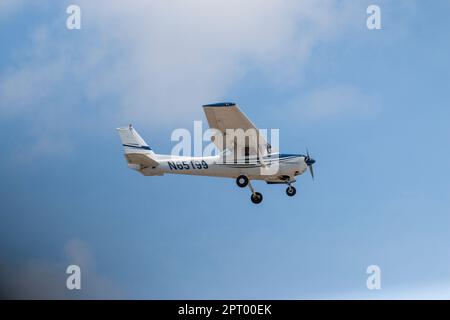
(137, 152)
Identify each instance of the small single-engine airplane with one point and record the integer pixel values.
(257, 163)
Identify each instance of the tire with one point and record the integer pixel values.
(291, 191)
(242, 181)
(256, 198)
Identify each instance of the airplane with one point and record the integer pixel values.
(257, 162)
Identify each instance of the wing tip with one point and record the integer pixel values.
(220, 104)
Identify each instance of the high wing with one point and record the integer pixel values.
(227, 115)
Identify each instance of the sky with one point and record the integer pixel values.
(371, 106)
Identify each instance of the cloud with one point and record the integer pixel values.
(175, 56)
(162, 59)
(8, 7)
(333, 103)
(46, 279)
(184, 53)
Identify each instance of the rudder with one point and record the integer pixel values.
(133, 142)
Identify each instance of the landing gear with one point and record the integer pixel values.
(256, 197)
(242, 181)
(291, 191)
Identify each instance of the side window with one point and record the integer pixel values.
(247, 154)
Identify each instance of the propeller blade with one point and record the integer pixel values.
(309, 162)
(311, 170)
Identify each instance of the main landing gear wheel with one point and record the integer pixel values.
(291, 191)
(242, 181)
(256, 197)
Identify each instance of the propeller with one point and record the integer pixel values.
(309, 162)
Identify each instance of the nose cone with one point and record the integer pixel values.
(310, 161)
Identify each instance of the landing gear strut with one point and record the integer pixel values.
(256, 197)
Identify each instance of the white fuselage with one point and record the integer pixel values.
(272, 168)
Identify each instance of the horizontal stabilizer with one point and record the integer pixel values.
(141, 159)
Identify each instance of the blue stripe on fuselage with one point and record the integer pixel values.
(137, 147)
(283, 155)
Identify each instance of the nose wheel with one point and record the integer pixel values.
(291, 191)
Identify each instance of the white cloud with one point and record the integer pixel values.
(27, 87)
(165, 58)
(333, 103)
(8, 7)
(177, 55)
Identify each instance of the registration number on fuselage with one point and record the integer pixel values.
(187, 165)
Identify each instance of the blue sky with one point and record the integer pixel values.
(372, 106)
